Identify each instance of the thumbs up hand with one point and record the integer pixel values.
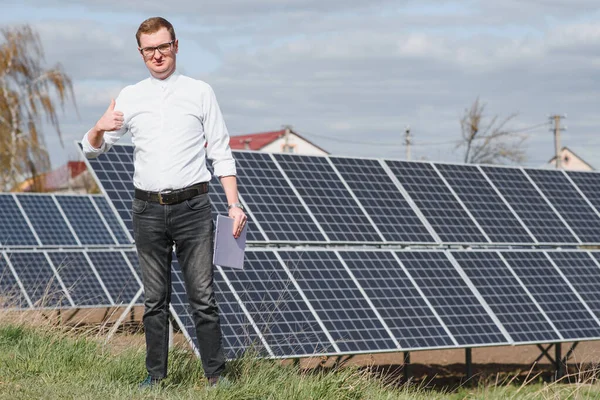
(111, 120)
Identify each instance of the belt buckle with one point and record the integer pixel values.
(160, 196)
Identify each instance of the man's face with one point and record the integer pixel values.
(160, 62)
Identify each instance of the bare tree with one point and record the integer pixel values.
(29, 93)
(489, 141)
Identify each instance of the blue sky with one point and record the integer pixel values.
(348, 77)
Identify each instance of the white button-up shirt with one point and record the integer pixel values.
(175, 124)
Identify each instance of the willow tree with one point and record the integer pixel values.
(489, 140)
(30, 94)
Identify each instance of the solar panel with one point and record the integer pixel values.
(589, 184)
(11, 295)
(550, 290)
(486, 206)
(281, 214)
(330, 202)
(277, 308)
(119, 280)
(557, 188)
(531, 207)
(382, 200)
(112, 220)
(437, 203)
(84, 219)
(14, 230)
(509, 301)
(47, 220)
(401, 306)
(38, 279)
(114, 170)
(342, 308)
(79, 278)
(135, 263)
(452, 298)
(583, 273)
(238, 333)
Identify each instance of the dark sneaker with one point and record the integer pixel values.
(149, 383)
(218, 381)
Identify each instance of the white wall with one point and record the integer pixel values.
(299, 146)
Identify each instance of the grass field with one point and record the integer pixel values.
(60, 363)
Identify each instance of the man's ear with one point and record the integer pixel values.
(176, 46)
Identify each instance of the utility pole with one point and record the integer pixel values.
(557, 129)
(407, 138)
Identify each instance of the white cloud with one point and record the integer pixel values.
(356, 74)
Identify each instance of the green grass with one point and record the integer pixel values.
(53, 363)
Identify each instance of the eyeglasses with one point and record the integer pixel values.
(162, 49)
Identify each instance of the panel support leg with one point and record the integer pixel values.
(123, 315)
(469, 362)
(406, 366)
(558, 361)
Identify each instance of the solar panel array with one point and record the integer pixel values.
(294, 303)
(326, 299)
(339, 200)
(76, 278)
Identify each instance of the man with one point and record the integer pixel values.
(175, 123)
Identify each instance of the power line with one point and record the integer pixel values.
(412, 143)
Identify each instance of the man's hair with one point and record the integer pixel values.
(152, 25)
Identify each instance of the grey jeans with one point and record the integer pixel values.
(189, 226)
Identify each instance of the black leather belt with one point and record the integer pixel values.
(172, 196)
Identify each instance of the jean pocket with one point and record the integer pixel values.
(139, 206)
(198, 203)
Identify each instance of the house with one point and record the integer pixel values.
(570, 161)
(285, 140)
(73, 177)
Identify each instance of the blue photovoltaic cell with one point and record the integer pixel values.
(85, 220)
(277, 308)
(437, 203)
(111, 219)
(238, 334)
(272, 201)
(46, 219)
(402, 308)
(340, 305)
(568, 202)
(531, 207)
(79, 278)
(551, 292)
(486, 206)
(519, 315)
(11, 295)
(583, 273)
(114, 170)
(328, 199)
(38, 279)
(116, 275)
(589, 184)
(382, 200)
(14, 230)
(452, 298)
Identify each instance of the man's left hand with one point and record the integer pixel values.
(239, 222)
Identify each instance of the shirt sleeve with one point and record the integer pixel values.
(217, 137)
(108, 140)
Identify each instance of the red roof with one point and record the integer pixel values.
(55, 179)
(254, 141)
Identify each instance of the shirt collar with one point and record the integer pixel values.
(163, 83)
